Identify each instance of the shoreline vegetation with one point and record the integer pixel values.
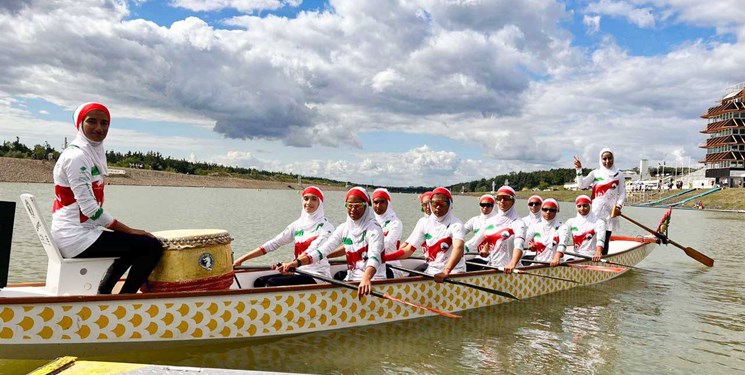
(40, 171)
(20, 163)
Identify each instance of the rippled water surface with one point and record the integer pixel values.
(686, 319)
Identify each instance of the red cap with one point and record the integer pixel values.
(551, 203)
(583, 199)
(426, 194)
(86, 108)
(535, 197)
(359, 192)
(313, 190)
(487, 198)
(381, 193)
(506, 190)
(443, 191)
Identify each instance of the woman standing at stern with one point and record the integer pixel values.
(307, 233)
(362, 241)
(78, 217)
(608, 191)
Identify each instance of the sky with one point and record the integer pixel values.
(384, 92)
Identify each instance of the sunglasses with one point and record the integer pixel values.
(503, 198)
(435, 203)
(531, 204)
(486, 204)
(548, 209)
(353, 206)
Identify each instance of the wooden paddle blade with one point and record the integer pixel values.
(440, 312)
(701, 258)
(597, 268)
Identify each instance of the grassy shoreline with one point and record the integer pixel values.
(40, 171)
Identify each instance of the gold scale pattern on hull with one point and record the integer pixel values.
(241, 315)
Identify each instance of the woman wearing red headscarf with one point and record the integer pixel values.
(78, 217)
(503, 235)
(442, 235)
(544, 237)
(476, 224)
(307, 233)
(362, 241)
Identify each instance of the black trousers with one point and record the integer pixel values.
(282, 280)
(606, 246)
(141, 253)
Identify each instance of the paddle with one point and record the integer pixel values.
(691, 252)
(455, 282)
(609, 262)
(580, 266)
(254, 268)
(374, 293)
(515, 270)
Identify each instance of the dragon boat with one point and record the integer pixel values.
(64, 315)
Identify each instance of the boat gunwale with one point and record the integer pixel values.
(266, 290)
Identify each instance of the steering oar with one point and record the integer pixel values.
(691, 252)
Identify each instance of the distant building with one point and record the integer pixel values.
(725, 147)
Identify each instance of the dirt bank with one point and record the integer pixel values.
(38, 171)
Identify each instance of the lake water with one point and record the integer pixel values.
(689, 319)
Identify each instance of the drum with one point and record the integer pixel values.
(193, 259)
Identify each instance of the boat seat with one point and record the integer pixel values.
(65, 276)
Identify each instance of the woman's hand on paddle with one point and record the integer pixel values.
(598, 254)
(364, 288)
(616, 211)
(287, 268)
(577, 163)
(440, 277)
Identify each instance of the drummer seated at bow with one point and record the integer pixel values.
(586, 230)
(80, 226)
(307, 233)
(361, 239)
(442, 236)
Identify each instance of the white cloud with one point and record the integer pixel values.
(641, 17)
(247, 6)
(501, 77)
(592, 23)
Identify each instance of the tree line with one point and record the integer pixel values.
(156, 161)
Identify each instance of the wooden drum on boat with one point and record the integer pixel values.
(193, 259)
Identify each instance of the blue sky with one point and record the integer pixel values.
(398, 93)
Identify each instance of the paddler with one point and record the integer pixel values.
(308, 232)
(543, 237)
(442, 235)
(391, 225)
(362, 241)
(586, 230)
(534, 211)
(476, 224)
(504, 233)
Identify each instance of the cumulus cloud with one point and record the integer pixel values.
(247, 6)
(502, 77)
(641, 17)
